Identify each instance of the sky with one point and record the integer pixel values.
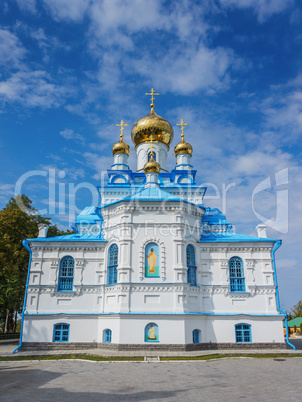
(232, 69)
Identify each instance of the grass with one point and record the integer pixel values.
(140, 359)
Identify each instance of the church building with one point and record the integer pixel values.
(151, 266)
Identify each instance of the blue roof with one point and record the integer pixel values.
(153, 194)
(231, 237)
(73, 237)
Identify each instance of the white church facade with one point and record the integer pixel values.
(152, 267)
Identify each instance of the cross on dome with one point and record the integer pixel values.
(122, 125)
(182, 124)
(152, 93)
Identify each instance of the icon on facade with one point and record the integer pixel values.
(152, 261)
(151, 333)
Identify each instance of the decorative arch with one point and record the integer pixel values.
(184, 179)
(118, 179)
(151, 332)
(162, 257)
(66, 272)
(149, 155)
(236, 274)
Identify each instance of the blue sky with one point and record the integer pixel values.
(232, 69)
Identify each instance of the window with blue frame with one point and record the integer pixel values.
(196, 336)
(107, 335)
(61, 333)
(149, 156)
(243, 333)
(66, 272)
(191, 265)
(237, 280)
(112, 264)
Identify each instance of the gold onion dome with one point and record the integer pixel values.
(152, 166)
(152, 125)
(183, 147)
(121, 147)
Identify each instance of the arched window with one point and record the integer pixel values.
(149, 156)
(237, 281)
(243, 333)
(112, 264)
(61, 333)
(107, 335)
(151, 332)
(196, 334)
(66, 274)
(191, 265)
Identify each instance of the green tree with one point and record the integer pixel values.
(54, 231)
(296, 310)
(18, 221)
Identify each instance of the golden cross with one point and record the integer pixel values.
(182, 124)
(152, 96)
(122, 125)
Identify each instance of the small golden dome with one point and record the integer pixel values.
(183, 147)
(121, 147)
(152, 166)
(152, 125)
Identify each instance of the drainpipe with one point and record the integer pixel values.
(25, 244)
(277, 245)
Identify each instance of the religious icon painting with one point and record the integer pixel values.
(152, 261)
(151, 333)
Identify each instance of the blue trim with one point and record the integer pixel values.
(277, 245)
(182, 176)
(66, 274)
(25, 244)
(121, 164)
(195, 335)
(156, 313)
(240, 332)
(59, 327)
(236, 275)
(107, 335)
(118, 176)
(183, 164)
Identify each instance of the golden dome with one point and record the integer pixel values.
(121, 147)
(152, 166)
(183, 147)
(152, 125)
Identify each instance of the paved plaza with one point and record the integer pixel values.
(219, 380)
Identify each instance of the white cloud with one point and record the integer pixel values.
(11, 50)
(263, 8)
(98, 163)
(67, 10)
(34, 89)
(6, 191)
(27, 5)
(192, 69)
(69, 134)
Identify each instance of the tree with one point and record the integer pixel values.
(18, 221)
(296, 310)
(54, 231)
